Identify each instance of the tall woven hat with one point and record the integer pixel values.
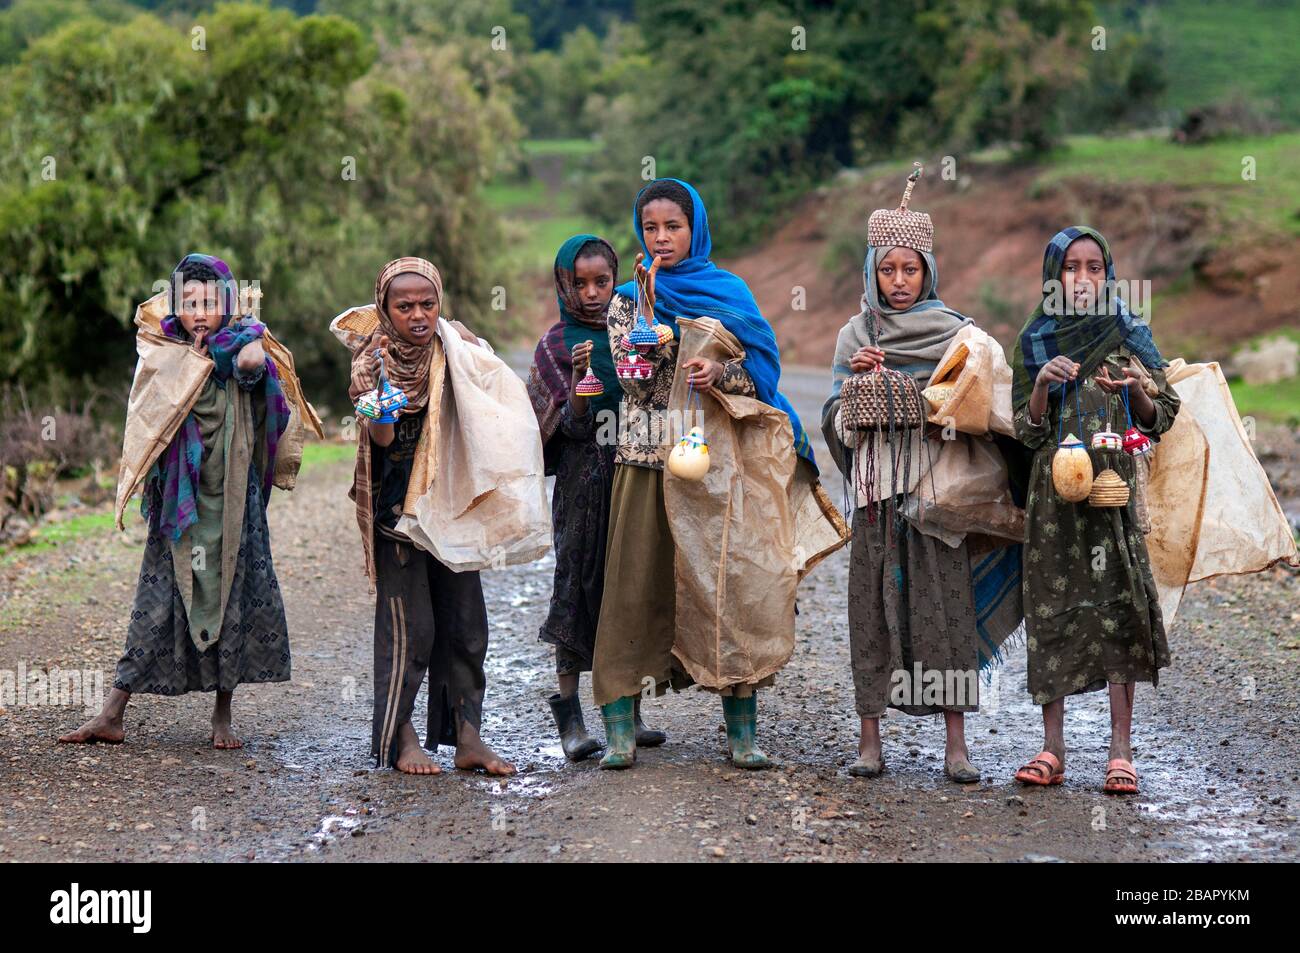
(888, 227)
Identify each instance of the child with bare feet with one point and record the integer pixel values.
(208, 613)
(428, 618)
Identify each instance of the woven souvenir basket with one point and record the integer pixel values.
(880, 399)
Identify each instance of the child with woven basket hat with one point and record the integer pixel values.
(918, 632)
(1086, 371)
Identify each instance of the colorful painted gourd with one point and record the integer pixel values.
(690, 458)
(1072, 470)
(381, 404)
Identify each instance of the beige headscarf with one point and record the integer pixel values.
(408, 369)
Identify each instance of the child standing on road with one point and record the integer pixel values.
(208, 613)
(1084, 364)
(571, 421)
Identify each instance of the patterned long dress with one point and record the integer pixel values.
(1092, 612)
(253, 643)
(584, 478)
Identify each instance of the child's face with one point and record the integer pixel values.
(412, 306)
(200, 312)
(666, 232)
(1083, 273)
(594, 281)
(900, 276)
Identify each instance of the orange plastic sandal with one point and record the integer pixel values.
(1120, 777)
(1042, 769)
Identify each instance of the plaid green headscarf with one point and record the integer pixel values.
(1085, 339)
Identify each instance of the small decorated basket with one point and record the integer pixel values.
(633, 368)
(1106, 440)
(643, 337)
(1136, 442)
(880, 400)
(590, 385)
(384, 402)
(1108, 490)
(664, 333)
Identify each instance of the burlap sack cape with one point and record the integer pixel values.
(168, 378)
(477, 497)
(1212, 509)
(744, 535)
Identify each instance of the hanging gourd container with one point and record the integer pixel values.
(590, 385)
(383, 403)
(689, 460)
(633, 368)
(1072, 470)
(1106, 440)
(1108, 490)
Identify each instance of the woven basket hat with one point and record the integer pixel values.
(888, 227)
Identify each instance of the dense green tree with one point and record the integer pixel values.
(294, 147)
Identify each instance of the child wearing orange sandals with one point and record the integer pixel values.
(1085, 366)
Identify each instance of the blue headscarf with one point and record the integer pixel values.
(696, 287)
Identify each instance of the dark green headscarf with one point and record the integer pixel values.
(549, 377)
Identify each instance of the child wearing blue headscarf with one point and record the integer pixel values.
(634, 641)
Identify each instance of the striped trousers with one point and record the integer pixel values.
(427, 619)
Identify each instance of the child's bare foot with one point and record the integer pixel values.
(102, 727)
(106, 726)
(411, 758)
(472, 754)
(223, 735)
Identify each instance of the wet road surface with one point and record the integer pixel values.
(1215, 745)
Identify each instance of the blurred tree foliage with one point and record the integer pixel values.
(127, 148)
(755, 102)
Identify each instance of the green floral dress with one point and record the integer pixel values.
(1092, 614)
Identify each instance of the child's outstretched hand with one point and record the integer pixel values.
(581, 355)
(866, 358)
(1132, 381)
(646, 277)
(1058, 370)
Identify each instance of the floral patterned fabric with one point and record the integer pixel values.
(645, 437)
(1092, 613)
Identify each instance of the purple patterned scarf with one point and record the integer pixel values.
(176, 473)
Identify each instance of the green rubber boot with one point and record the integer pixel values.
(620, 733)
(741, 715)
